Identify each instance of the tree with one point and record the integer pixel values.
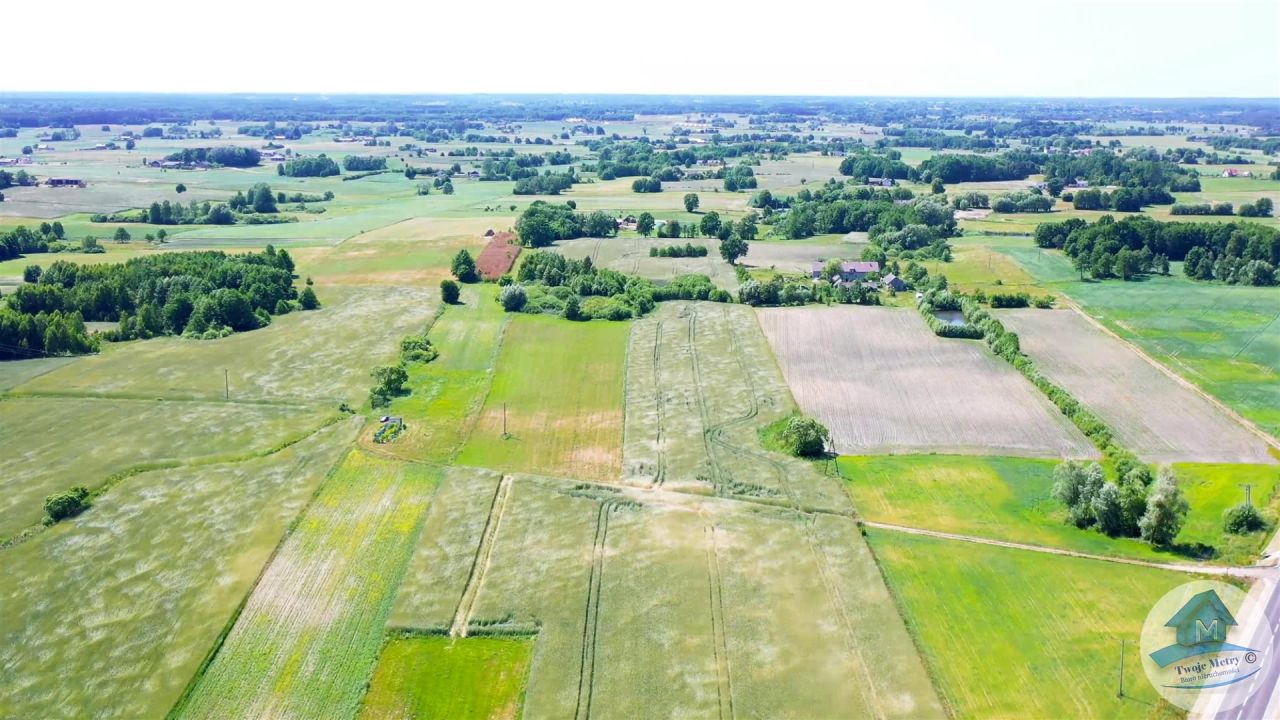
(1076, 485)
(180, 188)
(31, 274)
(803, 436)
(732, 249)
(261, 199)
(1243, 518)
(1108, 510)
(449, 291)
(26, 150)
(464, 267)
(513, 298)
(746, 227)
(308, 300)
(1166, 510)
(691, 202)
(162, 235)
(644, 224)
(572, 308)
(130, 144)
(936, 187)
(710, 224)
(389, 382)
(122, 235)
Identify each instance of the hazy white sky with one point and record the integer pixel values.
(1137, 48)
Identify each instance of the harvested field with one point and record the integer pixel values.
(883, 383)
(796, 256)
(1151, 413)
(701, 381)
(308, 638)
(631, 255)
(498, 256)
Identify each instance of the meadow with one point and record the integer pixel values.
(1151, 412)
(555, 404)
(307, 639)
(630, 255)
(173, 553)
(883, 382)
(434, 678)
(1011, 633)
(1006, 498)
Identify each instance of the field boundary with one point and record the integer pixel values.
(1211, 570)
(1240, 419)
(480, 564)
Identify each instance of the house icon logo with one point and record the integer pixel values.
(1198, 649)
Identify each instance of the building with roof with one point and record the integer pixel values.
(849, 271)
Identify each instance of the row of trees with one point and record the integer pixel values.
(548, 184)
(1244, 252)
(225, 155)
(543, 223)
(1132, 506)
(318, 166)
(1120, 200)
(364, 163)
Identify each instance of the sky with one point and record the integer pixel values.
(995, 48)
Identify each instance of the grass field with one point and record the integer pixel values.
(1009, 633)
(1151, 413)
(701, 381)
(126, 600)
(631, 255)
(882, 382)
(98, 441)
(799, 256)
(414, 252)
(446, 394)
(1223, 338)
(434, 678)
(308, 637)
(322, 356)
(560, 383)
(1006, 498)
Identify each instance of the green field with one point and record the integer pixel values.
(434, 678)
(446, 393)
(1223, 338)
(1010, 499)
(127, 599)
(559, 386)
(1011, 633)
(306, 641)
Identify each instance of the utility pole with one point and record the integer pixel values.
(504, 420)
(1248, 493)
(1120, 693)
(226, 384)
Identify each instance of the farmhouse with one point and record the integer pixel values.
(893, 281)
(849, 271)
(882, 182)
(65, 182)
(7, 162)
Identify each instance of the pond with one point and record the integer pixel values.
(950, 317)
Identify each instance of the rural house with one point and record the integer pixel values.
(882, 182)
(893, 281)
(65, 182)
(849, 271)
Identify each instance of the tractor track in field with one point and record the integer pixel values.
(480, 564)
(591, 620)
(660, 402)
(720, 645)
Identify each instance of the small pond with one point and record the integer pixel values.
(950, 317)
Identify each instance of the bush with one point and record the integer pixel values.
(464, 267)
(308, 300)
(1242, 519)
(61, 506)
(449, 291)
(417, 348)
(798, 435)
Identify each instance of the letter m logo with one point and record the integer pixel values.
(1212, 631)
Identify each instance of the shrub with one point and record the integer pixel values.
(449, 291)
(308, 300)
(417, 348)
(798, 435)
(1242, 519)
(513, 298)
(61, 506)
(464, 267)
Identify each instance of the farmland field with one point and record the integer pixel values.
(173, 553)
(156, 433)
(1225, 339)
(882, 382)
(322, 356)
(1005, 498)
(306, 641)
(798, 256)
(1151, 413)
(631, 255)
(435, 678)
(670, 601)
(1048, 627)
(701, 381)
(559, 386)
